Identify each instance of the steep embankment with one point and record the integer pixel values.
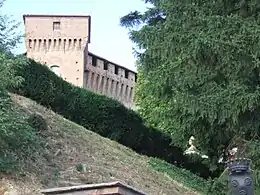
(74, 155)
(102, 115)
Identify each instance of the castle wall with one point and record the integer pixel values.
(61, 42)
(110, 79)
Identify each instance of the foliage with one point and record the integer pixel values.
(7, 71)
(9, 36)
(254, 153)
(100, 114)
(199, 72)
(218, 186)
(181, 175)
(17, 138)
(80, 167)
(8, 40)
(37, 122)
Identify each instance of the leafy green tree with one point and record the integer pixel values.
(18, 140)
(198, 73)
(9, 34)
(9, 39)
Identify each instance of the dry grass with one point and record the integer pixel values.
(70, 146)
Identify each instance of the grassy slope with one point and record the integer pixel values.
(70, 145)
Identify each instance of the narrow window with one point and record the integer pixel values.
(90, 59)
(49, 44)
(55, 44)
(80, 44)
(34, 44)
(40, 45)
(94, 61)
(30, 43)
(121, 90)
(92, 80)
(44, 44)
(64, 44)
(116, 69)
(126, 74)
(126, 92)
(56, 26)
(75, 44)
(60, 46)
(70, 42)
(106, 65)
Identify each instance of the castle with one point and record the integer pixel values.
(61, 42)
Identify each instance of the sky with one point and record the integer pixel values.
(108, 38)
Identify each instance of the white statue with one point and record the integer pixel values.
(192, 149)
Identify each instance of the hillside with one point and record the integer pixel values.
(74, 155)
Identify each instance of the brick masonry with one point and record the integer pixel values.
(113, 188)
(61, 42)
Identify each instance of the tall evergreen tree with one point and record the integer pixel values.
(198, 73)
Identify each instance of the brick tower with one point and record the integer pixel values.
(61, 42)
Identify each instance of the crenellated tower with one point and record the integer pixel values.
(60, 42)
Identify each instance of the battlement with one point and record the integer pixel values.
(108, 78)
(110, 67)
(61, 42)
(57, 26)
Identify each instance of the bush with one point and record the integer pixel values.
(37, 122)
(100, 114)
(181, 175)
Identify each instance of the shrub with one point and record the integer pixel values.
(18, 140)
(181, 175)
(37, 122)
(100, 114)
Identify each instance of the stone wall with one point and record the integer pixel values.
(61, 42)
(110, 79)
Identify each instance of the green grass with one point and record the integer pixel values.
(74, 155)
(183, 176)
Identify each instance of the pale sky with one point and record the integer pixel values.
(108, 38)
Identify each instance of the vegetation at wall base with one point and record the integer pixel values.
(19, 141)
(181, 175)
(100, 114)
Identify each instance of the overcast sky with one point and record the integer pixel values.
(108, 38)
